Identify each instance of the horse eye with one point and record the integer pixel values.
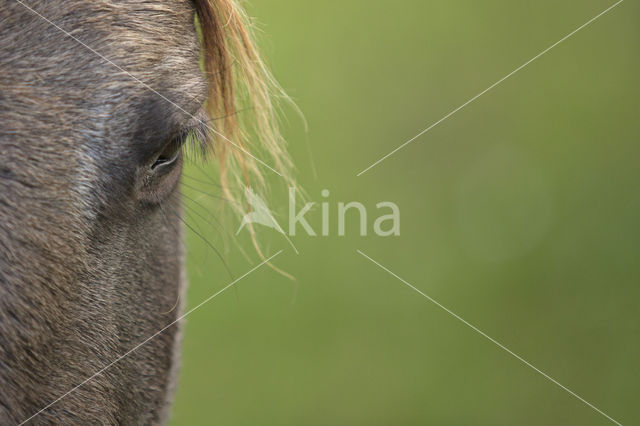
(169, 154)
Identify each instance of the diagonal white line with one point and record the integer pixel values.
(491, 339)
(148, 87)
(489, 88)
(150, 337)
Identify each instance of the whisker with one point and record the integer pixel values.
(235, 112)
(205, 240)
(213, 181)
(209, 180)
(215, 227)
(166, 221)
(197, 180)
(186, 210)
(218, 197)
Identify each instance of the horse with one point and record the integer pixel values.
(98, 102)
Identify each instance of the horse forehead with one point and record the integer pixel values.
(156, 27)
(76, 75)
(146, 39)
(149, 44)
(101, 58)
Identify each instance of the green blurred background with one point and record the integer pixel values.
(519, 213)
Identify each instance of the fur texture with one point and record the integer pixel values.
(90, 235)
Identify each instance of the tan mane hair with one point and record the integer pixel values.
(240, 101)
(245, 135)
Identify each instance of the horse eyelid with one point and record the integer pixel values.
(170, 152)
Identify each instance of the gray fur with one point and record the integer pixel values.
(89, 267)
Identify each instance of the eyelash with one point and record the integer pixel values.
(193, 139)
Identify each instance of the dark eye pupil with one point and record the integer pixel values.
(168, 155)
(162, 160)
